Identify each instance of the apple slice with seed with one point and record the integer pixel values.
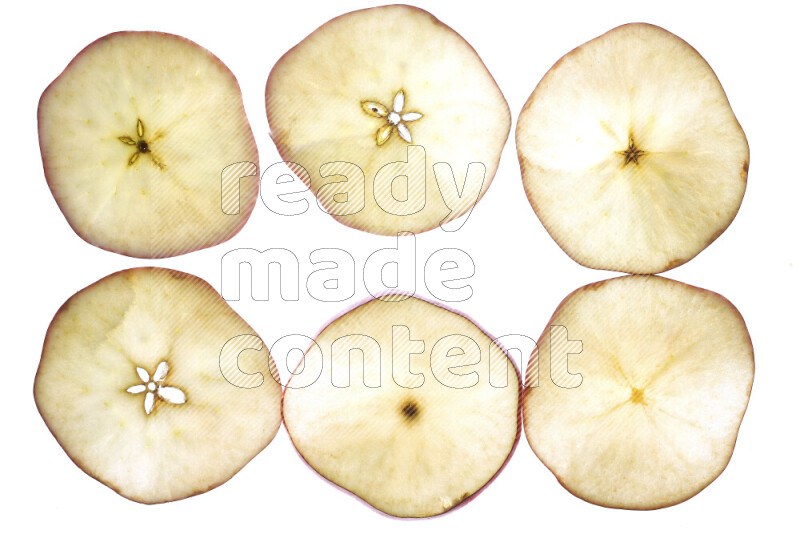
(144, 140)
(645, 411)
(414, 409)
(630, 153)
(130, 384)
(366, 105)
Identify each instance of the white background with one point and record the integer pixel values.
(521, 274)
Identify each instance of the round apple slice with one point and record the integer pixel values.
(144, 141)
(407, 405)
(645, 410)
(130, 384)
(390, 117)
(630, 153)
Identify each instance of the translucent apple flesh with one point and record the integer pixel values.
(404, 434)
(362, 89)
(631, 155)
(135, 135)
(666, 371)
(130, 386)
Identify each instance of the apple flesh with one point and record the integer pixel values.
(403, 433)
(130, 386)
(631, 155)
(666, 371)
(135, 135)
(361, 91)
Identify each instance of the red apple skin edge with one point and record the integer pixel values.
(743, 173)
(305, 179)
(244, 210)
(176, 274)
(542, 339)
(465, 316)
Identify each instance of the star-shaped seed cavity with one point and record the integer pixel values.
(633, 153)
(395, 119)
(153, 387)
(141, 144)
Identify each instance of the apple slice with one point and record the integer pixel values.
(130, 384)
(630, 153)
(144, 140)
(351, 105)
(665, 376)
(417, 408)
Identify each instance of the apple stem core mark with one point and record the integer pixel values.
(410, 410)
(632, 153)
(637, 396)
